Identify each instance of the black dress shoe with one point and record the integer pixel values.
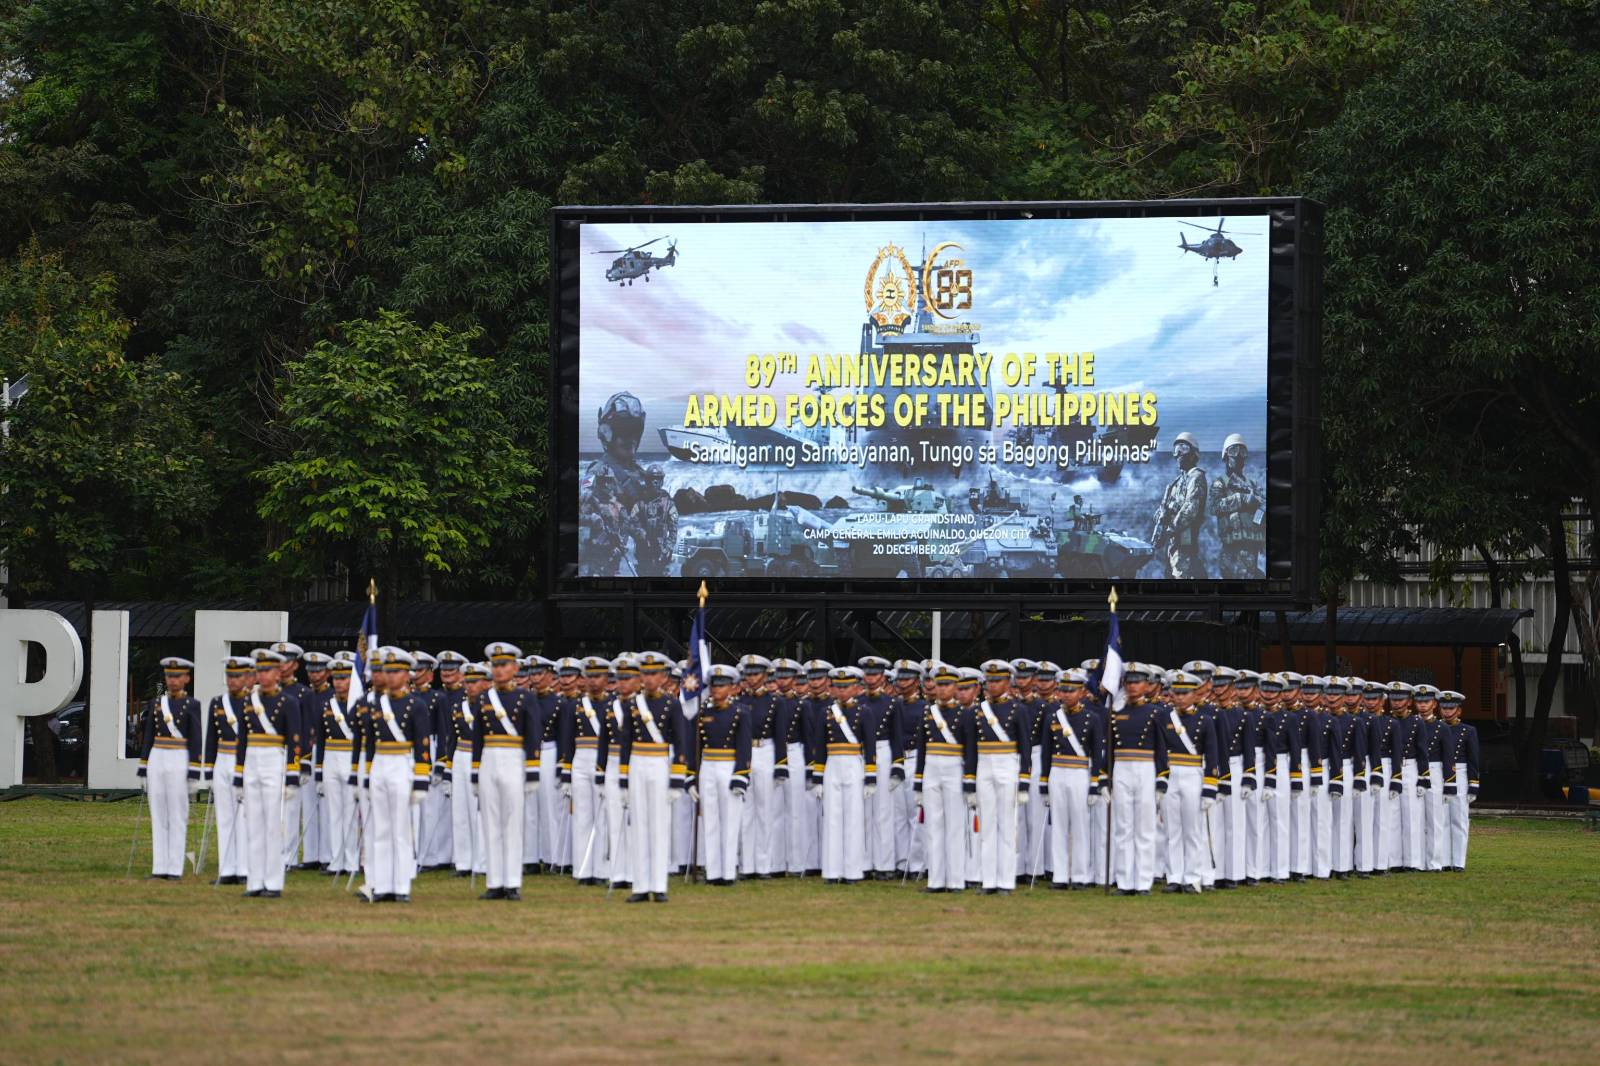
(1252, 880)
(1126, 892)
(253, 893)
(530, 869)
(638, 897)
(1173, 888)
(383, 897)
(153, 877)
(1062, 886)
(400, 897)
(512, 895)
(660, 897)
(813, 873)
(270, 893)
(1191, 890)
(461, 873)
(990, 891)
(1003, 891)
(763, 877)
(492, 893)
(833, 880)
(931, 890)
(619, 884)
(1142, 892)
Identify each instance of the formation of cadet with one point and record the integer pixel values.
(621, 772)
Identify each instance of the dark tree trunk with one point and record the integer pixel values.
(1560, 572)
(1519, 679)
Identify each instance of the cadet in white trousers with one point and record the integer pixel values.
(1191, 783)
(682, 816)
(582, 738)
(1254, 797)
(719, 774)
(1298, 729)
(1004, 776)
(432, 815)
(315, 845)
(1435, 827)
(396, 743)
(466, 821)
(1278, 749)
(1034, 690)
(334, 747)
(888, 755)
(789, 775)
(845, 770)
(300, 819)
(1405, 788)
(220, 762)
(555, 814)
(616, 849)
(1072, 764)
(1138, 759)
(264, 779)
(1344, 752)
(1380, 756)
(758, 816)
(506, 768)
(1460, 752)
(654, 751)
(169, 767)
(946, 781)
(1318, 740)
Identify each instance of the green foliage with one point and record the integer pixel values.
(1463, 276)
(100, 461)
(400, 450)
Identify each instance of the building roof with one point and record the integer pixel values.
(1438, 626)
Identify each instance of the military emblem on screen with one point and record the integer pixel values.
(946, 283)
(892, 297)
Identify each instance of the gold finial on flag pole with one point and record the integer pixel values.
(372, 590)
(703, 594)
(1112, 599)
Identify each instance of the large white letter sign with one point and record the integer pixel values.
(19, 698)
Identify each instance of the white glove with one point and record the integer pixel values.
(1022, 798)
(1207, 803)
(895, 783)
(972, 800)
(472, 787)
(1315, 789)
(1472, 797)
(1106, 792)
(815, 789)
(1161, 799)
(1044, 797)
(566, 790)
(416, 798)
(1095, 799)
(1248, 788)
(1419, 790)
(694, 793)
(290, 792)
(529, 787)
(740, 793)
(673, 794)
(625, 799)
(322, 788)
(238, 793)
(868, 790)
(445, 784)
(194, 789)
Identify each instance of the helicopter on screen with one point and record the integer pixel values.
(634, 262)
(1215, 247)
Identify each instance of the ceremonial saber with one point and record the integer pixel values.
(1111, 599)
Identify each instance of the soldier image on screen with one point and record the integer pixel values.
(1183, 511)
(1238, 503)
(624, 500)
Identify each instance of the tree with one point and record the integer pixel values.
(1463, 279)
(401, 459)
(102, 464)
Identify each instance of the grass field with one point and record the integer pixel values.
(1499, 964)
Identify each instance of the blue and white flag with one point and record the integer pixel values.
(1111, 666)
(699, 656)
(366, 642)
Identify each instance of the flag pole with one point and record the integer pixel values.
(694, 813)
(1111, 601)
